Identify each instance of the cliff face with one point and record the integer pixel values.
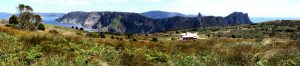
(74, 18)
(124, 22)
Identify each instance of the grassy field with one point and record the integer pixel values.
(266, 44)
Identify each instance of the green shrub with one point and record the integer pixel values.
(233, 36)
(33, 54)
(112, 37)
(188, 61)
(111, 55)
(134, 40)
(41, 27)
(154, 40)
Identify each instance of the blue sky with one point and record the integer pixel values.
(255, 8)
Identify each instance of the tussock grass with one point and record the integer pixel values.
(36, 38)
(10, 30)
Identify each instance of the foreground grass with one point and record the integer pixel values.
(71, 47)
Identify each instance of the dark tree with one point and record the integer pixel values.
(13, 20)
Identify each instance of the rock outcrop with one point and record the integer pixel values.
(124, 22)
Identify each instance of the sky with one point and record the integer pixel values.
(255, 8)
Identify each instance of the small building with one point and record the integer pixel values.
(188, 36)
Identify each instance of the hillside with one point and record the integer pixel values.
(274, 43)
(136, 23)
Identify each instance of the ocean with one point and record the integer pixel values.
(264, 19)
(51, 21)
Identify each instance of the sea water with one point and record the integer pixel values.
(51, 21)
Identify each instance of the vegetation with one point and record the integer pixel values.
(154, 40)
(64, 46)
(13, 20)
(116, 23)
(26, 19)
(41, 27)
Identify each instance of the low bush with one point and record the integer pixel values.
(102, 35)
(112, 37)
(134, 40)
(95, 35)
(290, 30)
(33, 54)
(79, 33)
(154, 40)
(157, 57)
(188, 61)
(54, 31)
(81, 29)
(41, 27)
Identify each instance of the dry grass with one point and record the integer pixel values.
(10, 30)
